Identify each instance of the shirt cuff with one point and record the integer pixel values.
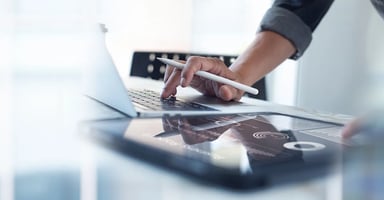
(290, 26)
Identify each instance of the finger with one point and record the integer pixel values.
(171, 84)
(350, 129)
(229, 93)
(194, 64)
(212, 65)
(225, 92)
(191, 67)
(168, 71)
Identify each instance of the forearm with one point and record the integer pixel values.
(264, 54)
(285, 32)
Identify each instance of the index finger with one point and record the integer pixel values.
(169, 70)
(196, 63)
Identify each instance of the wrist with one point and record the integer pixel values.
(264, 54)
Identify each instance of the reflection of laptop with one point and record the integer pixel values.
(104, 84)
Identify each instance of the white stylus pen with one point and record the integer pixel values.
(213, 77)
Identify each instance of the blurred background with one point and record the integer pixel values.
(42, 50)
(338, 72)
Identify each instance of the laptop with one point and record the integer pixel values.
(103, 84)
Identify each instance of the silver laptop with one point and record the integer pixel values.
(104, 84)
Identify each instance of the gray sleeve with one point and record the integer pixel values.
(290, 26)
(379, 5)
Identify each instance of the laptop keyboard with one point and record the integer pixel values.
(151, 100)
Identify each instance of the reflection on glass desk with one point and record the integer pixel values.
(242, 151)
(43, 157)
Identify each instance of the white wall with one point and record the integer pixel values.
(336, 73)
(225, 27)
(146, 25)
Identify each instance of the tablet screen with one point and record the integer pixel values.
(241, 144)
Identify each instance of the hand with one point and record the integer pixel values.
(175, 77)
(370, 125)
(351, 128)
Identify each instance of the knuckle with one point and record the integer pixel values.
(216, 60)
(193, 59)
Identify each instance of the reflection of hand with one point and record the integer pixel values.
(186, 126)
(175, 77)
(351, 128)
(370, 126)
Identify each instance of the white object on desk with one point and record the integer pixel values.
(213, 77)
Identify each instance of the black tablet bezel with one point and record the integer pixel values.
(205, 172)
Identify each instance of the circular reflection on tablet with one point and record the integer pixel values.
(274, 135)
(227, 122)
(304, 146)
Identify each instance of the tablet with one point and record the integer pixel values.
(239, 151)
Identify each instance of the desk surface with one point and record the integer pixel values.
(43, 156)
